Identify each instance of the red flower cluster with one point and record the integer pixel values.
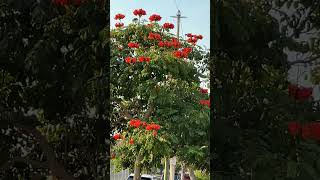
(187, 50)
(189, 35)
(193, 38)
(116, 136)
(153, 126)
(182, 53)
(119, 24)
(138, 123)
(173, 43)
(308, 131)
(130, 60)
(119, 16)
(155, 17)
(168, 26)
(300, 93)
(133, 45)
(139, 12)
(205, 102)
(203, 91)
(144, 59)
(179, 54)
(135, 123)
(154, 36)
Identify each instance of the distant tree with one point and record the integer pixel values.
(54, 89)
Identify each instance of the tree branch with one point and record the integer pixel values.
(56, 168)
(304, 61)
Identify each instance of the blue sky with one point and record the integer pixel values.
(197, 13)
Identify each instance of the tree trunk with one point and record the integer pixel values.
(166, 169)
(182, 172)
(192, 176)
(137, 168)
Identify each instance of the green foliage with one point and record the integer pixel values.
(200, 175)
(145, 144)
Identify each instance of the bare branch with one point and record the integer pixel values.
(304, 61)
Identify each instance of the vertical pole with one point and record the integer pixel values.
(173, 162)
(178, 23)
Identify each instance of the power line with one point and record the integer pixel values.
(177, 4)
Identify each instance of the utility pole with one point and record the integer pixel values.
(178, 16)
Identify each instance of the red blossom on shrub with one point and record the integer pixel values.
(131, 141)
(203, 91)
(155, 17)
(168, 43)
(175, 43)
(141, 59)
(147, 59)
(205, 102)
(299, 93)
(148, 127)
(153, 126)
(161, 44)
(187, 50)
(119, 24)
(144, 59)
(199, 37)
(192, 40)
(135, 123)
(144, 124)
(182, 54)
(116, 136)
(189, 35)
(130, 60)
(294, 128)
(153, 36)
(178, 54)
(119, 16)
(139, 12)
(156, 126)
(133, 45)
(168, 26)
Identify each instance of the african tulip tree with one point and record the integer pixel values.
(155, 76)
